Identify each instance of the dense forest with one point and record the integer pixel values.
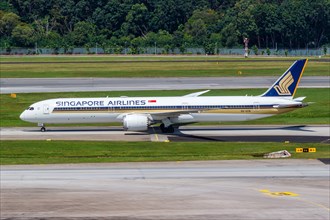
(166, 23)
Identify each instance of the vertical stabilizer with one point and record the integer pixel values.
(287, 84)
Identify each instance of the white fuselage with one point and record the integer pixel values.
(176, 109)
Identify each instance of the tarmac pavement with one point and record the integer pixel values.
(251, 189)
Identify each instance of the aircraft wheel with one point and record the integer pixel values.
(42, 129)
(170, 129)
(162, 128)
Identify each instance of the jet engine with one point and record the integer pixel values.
(136, 122)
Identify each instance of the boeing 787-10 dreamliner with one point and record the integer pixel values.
(138, 113)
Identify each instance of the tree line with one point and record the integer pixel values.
(137, 24)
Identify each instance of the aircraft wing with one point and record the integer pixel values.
(195, 94)
(169, 114)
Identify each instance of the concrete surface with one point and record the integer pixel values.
(258, 189)
(30, 85)
(255, 133)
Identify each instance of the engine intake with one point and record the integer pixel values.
(135, 123)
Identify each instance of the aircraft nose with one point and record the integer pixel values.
(23, 116)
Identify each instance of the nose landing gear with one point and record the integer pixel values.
(43, 128)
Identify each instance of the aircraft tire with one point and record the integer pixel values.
(162, 128)
(169, 129)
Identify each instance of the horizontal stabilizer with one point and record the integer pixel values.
(195, 94)
(299, 99)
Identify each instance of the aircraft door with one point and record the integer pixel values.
(46, 109)
(184, 105)
(256, 106)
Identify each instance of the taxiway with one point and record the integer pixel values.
(32, 85)
(252, 133)
(257, 189)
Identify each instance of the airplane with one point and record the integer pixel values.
(138, 113)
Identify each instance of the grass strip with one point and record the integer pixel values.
(239, 68)
(75, 58)
(50, 152)
(61, 58)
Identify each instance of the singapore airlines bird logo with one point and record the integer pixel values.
(283, 86)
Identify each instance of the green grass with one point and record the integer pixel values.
(316, 113)
(150, 69)
(58, 58)
(47, 152)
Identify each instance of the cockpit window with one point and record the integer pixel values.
(30, 108)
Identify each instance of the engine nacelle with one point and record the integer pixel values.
(136, 123)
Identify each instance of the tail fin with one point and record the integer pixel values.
(287, 84)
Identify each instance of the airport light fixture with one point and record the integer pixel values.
(246, 47)
(155, 48)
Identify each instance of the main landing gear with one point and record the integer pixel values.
(169, 129)
(166, 126)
